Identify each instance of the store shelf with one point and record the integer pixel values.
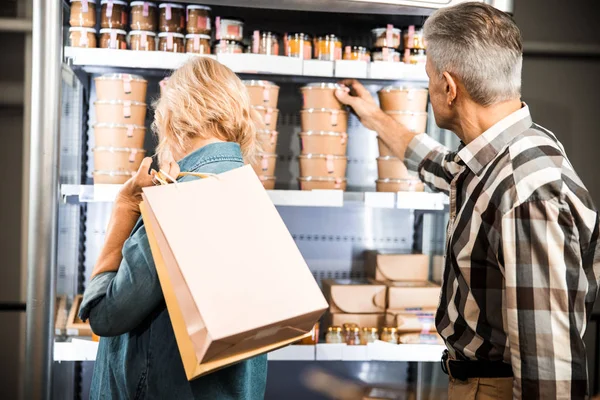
(292, 198)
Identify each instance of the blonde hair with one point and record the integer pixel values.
(203, 99)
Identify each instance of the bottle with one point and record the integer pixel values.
(369, 335)
(334, 335)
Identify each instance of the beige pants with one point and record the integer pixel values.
(480, 389)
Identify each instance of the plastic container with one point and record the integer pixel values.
(369, 335)
(413, 120)
(83, 13)
(267, 140)
(384, 151)
(228, 47)
(297, 45)
(118, 135)
(321, 183)
(386, 37)
(328, 48)
(391, 168)
(142, 40)
(197, 43)
(117, 158)
(334, 335)
(386, 54)
(268, 115)
(82, 37)
(415, 57)
(389, 335)
(171, 18)
(121, 87)
(321, 142)
(113, 14)
(113, 39)
(401, 98)
(324, 119)
(414, 38)
(112, 177)
(229, 29)
(120, 112)
(399, 185)
(264, 42)
(198, 19)
(262, 93)
(144, 16)
(323, 165)
(171, 42)
(321, 95)
(265, 164)
(356, 53)
(267, 181)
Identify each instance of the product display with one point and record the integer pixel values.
(324, 119)
(120, 112)
(198, 19)
(400, 98)
(117, 158)
(334, 335)
(267, 181)
(297, 45)
(415, 56)
(83, 13)
(369, 335)
(121, 87)
(144, 16)
(413, 295)
(322, 142)
(386, 37)
(399, 185)
(262, 93)
(229, 29)
(355, 296)
(265, 43)
(197, 43)
(267, 140)
(171, 42)
(112, 177)
(321, 183)
(414, 38)
(171, 18)
(268, 116)
(119, 135)
(265, 166)
(415, 121)
(397, 267)
(328, 48)
(82, 37)
(142, 40)
(228, 47)
(389, 335)
(356, 53)
(321, 95)
(114, 14)
(113, 39)
(386, 54)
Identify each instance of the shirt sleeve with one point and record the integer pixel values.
(117, 302)
(545, 301)
(435, 164)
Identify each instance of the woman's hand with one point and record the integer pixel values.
(358, 97)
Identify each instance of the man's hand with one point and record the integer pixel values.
(358, 97)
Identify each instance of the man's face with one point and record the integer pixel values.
(438, 96)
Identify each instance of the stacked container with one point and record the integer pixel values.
(324, 138)
(83, 23)
(263, 97)
(144, 23)
(414, 46)
(407, 106)
(386, 43)
(119, 130)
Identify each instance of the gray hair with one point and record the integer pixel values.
(479, 45)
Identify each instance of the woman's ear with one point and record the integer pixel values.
(451, 87)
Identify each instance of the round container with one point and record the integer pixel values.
(267, 181)
(197, 43)
(297, 45)
(384, 151)
(399, 185)
(386, 54)
(198, 19)
(328, 48)
(390, 335)
(321, 183)
(415, 56)
(82, 37)
(262, 93)
(414, 38)
(171, 42)
(114, 14)
(334, 335)
(120, 112)
(142, 41)
(324, 119)
(115, 135)
(391, 168)
(229, 29)
(228, 47)
(144, 16)
(369, 335)
(356, 53)
(265, 164)
(83, 13)
(117, 158)
(386, 37)
(268, 115)
(321, 95)
(353, 336)
(400, 98)
(171, 18)
(414, 121)
(113, 39)
(112, 177)
(121, 87)
(323, 165)
(267, 140)
(265, 43)
(321, 142)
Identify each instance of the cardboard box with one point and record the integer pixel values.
(395, 267)
(362, 320)
(60, 314)
(355, 296)
(422, 321)
(415, 295)
(75, 326)
(437, 269)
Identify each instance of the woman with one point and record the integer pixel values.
(203, 120)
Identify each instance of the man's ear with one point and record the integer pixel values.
(450, 87)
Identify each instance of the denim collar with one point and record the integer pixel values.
(222, 151)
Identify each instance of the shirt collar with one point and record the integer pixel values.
(481, 151)
(220, 150)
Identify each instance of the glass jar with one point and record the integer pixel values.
(414, 39)
(144, 16)
(386, 54)
(415, 56)
(83, 13)
(346, 328)
(353, 336)
(114, 14)
(369, 335)
(228, 46)
(390, 335)
(171, 17)
(334, 335)
(229, 29)
(198, 19)
(82, 37)
(197, 43)
(356, 53)
(386, 37)
(314, 336)
(142, 40)
(328, 48)
(265, 43)
(113, 39)
(171, 42)
(297, 45)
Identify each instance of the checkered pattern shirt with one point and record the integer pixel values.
(522, 263)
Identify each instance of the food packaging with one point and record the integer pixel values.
(142, 41)
(171, 18)
(354, 296)
(422, 321)
(386, 54)
(297, 45)
(415, 57)
(321, 183)
(75, 326)
(115, 135)
(82, 37)
(264, 42)
(144, 16)
(83, 13)
(267, 140)
(356, 53)
(124, 112)
(268, 116)
(262, 93)
(386, 37)
(121, 87)
(265, 164)
(400, 98)
(414, 121)
(397, 267)
(414, 295)
(113, 39)
(113, 14)
(112, 177)
(321, 142)
(414, 38)
(117, 158)
(375, 320)
(229, 29)
(198, 19)
(324, 119)
(321, 95)
(197, 43)
(224, 46)
(391, 168)
(267, 181)
(323, 165)
(171, 42)
(412, 184)
(328, 48)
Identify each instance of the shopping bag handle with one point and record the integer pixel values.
(163, 177)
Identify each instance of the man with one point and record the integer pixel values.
(522, 260)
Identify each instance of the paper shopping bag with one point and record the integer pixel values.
(234, 281)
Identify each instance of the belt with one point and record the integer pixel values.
(463, 370)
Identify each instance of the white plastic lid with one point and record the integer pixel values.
(141, 3)
(173, 5)
(197, 35)
(198, 7)
(108, 30)
(119, 2)
(149, 33)
(81, 29)
(175, 35)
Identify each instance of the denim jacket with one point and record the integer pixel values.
(138, 356)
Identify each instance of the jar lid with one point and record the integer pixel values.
(149, 33)
(118, 76)
(399, 88)
(348, 325)
(112, 125)
(320, 133)
(81, 29)
(312, 110)
(328, 37)
(78, 1)
(304, 36)
(197, 35)
(321, 179)
(334, 329)
(321, 85)
(262, 108)
(120, 149)
(175, 35)
(141, 3)
(372, 330)
(258, 83)
(109, 30)
(234, 21)
(358, 48)
(198, 7)
(133, 103)
(355, 329)
(267, 34)
(379, 31)
(173, 5)
(311, 156)
(228, 42)
(119, 2)
(407, 112)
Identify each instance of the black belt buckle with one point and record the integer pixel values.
(443, 362)
(456, 373)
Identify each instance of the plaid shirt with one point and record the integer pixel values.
(522, 263)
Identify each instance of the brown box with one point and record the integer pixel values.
(362, 320)
(394, 267)
(406, 321)
(60, 315)
(354, 296)
(417, 295)
(75, 326)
